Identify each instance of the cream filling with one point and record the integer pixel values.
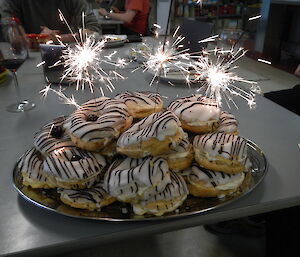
(235, 183)
(177, 155)
(201, 123)
(140, 208)
(214, 157)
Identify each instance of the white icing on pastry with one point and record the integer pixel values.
(180, 150)
(31, 166)
(128, 179)
(52, 136)
(196, 110)
(97, 119)
(158, 202)
(218, 180)
(228, 123)
(157, 125)
(141, 99)
(93, 197)
(74, 164)
(228, 146)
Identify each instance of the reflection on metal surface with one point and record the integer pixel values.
(49, 199)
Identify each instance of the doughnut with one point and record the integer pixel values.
(141, 104)
(158, 203)
(221, 152)
(97, 122)
(32, 170)
(228, 123)
(196, 113)
(181, 155)
(152, 135)
(52, 137)
(128, 179)
(90, 198)
(208, 183)
(74, 168)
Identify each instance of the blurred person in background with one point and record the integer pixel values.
(135, 16)
(42, 17)
(116, 6)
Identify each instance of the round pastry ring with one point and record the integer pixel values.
(121, 212)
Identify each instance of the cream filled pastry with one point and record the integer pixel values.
(97, 122)
(90, 198)
(52, 137)
(221, 152)
(152, 135)
(128, 179)
(159, 202)
(228, 123)
(74, 168)
(32, 169)
(181, 155)
(208, 183)
(197, 113)
(141, 104)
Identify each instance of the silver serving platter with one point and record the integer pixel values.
(49, 199)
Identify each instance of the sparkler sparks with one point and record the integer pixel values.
(218, 80)
(61, 95)
(166, 57)
(84, 63)
(264, 61)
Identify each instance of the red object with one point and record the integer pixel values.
(231, 9)
(16, 19)
(140, 20)
(36, 39)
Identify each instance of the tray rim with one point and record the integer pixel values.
(154, 218)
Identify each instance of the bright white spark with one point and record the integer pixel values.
(254, 18)
(209, 39)
(40, 64)
(264, 61)
(66, 100)
(214, 71)
(198, 1)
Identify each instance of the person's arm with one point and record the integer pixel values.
(90, 21)
(126, 16)
(297, 71)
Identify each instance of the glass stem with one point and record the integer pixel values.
(14, 72)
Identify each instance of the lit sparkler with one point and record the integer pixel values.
(218, 79)
(84, 62)
(167, 57)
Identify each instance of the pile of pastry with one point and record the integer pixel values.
(131, 149)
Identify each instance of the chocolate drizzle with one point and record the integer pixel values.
(127, 178)
(63, 165)
(112, 116)
(52, 137)
(229, 146)
(153, 126)
(213, 178)
(146, 98)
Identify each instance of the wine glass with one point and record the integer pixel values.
(231, 38)
(13, 53)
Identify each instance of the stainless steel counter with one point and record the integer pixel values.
(26, 229)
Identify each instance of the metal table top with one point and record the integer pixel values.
(26, 229)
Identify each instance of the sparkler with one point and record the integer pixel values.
(84, 62)
(167, 59)
(218, 81)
